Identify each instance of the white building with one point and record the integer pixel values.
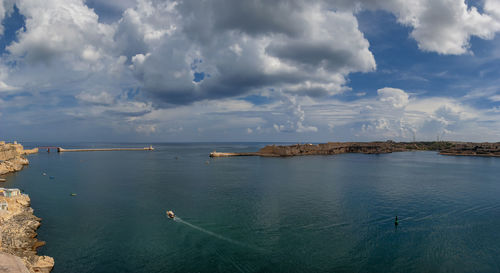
(9, 192)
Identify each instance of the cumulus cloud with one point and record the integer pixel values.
(304, 49)
(395, 97)
(185, 51)
(61, 29)
(442, 26)
(165, 65)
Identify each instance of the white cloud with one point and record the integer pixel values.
(61, 30)
(309, 56)
(395, 97)
(442, 26)
(494, 98)
(137, 73)
(96, 97)
(6, 87)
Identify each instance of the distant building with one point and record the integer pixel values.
(9, 192)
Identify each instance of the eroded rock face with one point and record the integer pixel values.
(18, 228)
(18, 225)
(11, 157)
(43, 264)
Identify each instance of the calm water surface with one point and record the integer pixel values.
(252, 214)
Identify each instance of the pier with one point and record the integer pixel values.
(218, 154)
(60, 149)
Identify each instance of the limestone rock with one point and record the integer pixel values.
(18, 228)
(12, 264)
(11, 159)
(44, 264)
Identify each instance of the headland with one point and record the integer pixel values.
(18, 224)
(333, 148)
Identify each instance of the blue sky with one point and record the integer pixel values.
(221, 70)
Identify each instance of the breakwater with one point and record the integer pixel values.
(332, 148)
(219, 154)
(60, 150)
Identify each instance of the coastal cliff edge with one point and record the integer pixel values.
(18, 224)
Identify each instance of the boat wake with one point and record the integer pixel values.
(218, 236)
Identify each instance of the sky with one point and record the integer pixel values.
(253, 70)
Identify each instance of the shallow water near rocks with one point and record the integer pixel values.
(252, 214)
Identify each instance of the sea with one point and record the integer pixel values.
(254, 214)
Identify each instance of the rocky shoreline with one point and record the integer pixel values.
(11, 157)
(333, 148)
(18, 224)
(18, 234)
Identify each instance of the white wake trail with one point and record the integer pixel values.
(218, 236)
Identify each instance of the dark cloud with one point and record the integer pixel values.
(243, 46)
(312, 54)
(256, 17)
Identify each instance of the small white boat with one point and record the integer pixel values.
(170, 214)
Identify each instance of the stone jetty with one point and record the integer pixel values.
(150, 148)
(218, 154)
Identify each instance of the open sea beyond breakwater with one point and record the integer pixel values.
(255, 214)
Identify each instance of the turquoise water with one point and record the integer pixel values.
(252, 214)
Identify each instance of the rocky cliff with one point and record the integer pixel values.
(473, 149)
(18, 225)
(18, 228)
(11, 157)
(332, 148)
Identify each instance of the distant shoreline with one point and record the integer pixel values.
(484, 149)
